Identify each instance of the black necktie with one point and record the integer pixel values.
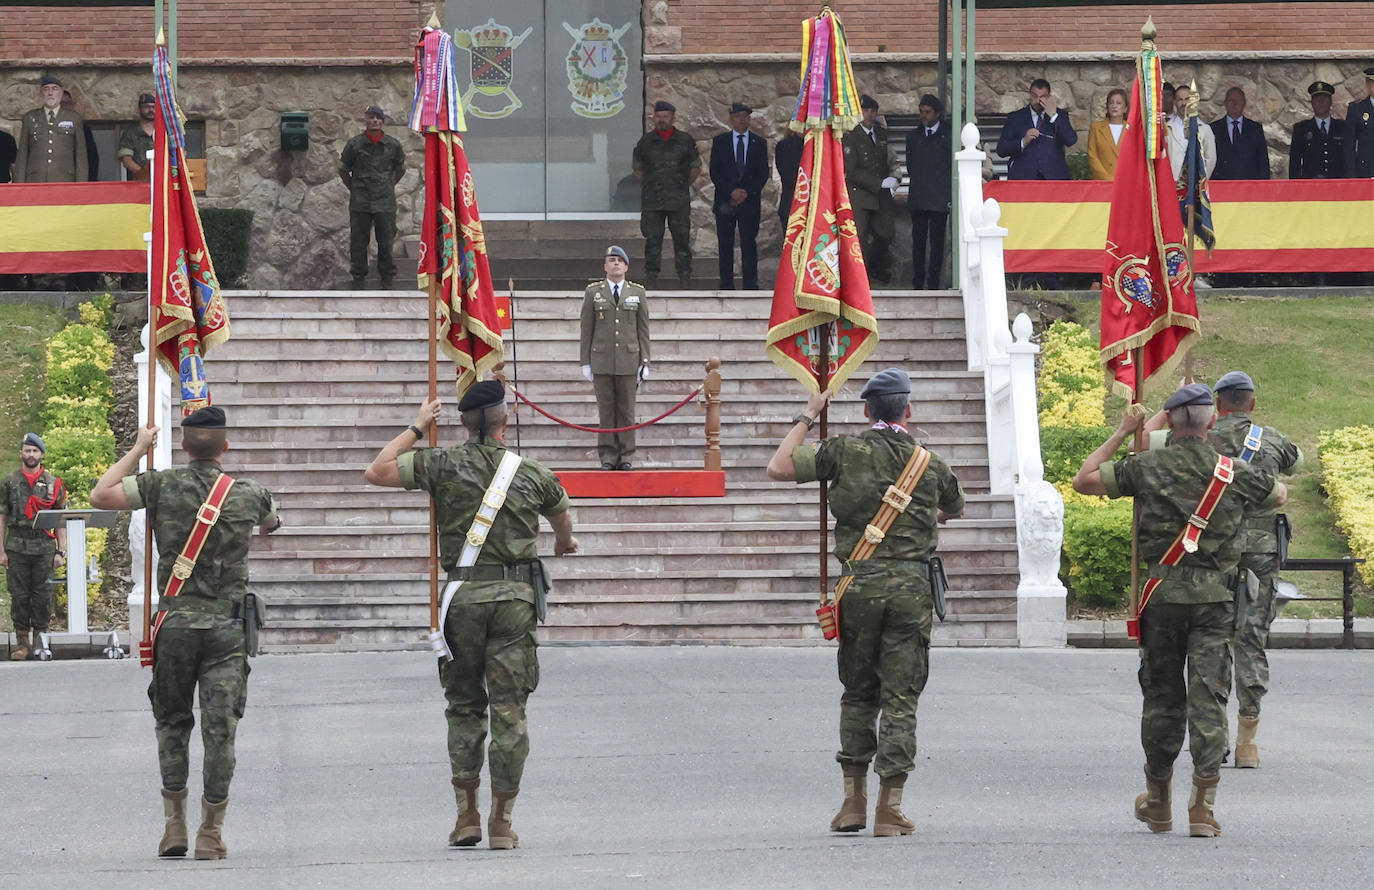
(873, 134)
(930, 131)
(739, 152)
(52, 116)
(1323, 126)
(615, 293)
(1235, 132)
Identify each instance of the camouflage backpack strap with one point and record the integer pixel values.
(185, 564)
(1187, 539)
(1252, 443)
(493, 499)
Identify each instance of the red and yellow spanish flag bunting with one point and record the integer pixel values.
(54, 228)
(822, 277)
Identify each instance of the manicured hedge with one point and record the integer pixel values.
(1347, 457)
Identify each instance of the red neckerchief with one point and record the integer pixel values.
(35, 503)
(375, 140)
(884, 425)
(32, 477)
(665, 135)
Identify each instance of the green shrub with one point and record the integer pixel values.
(98, 312)
(1097, 546)
(1347, 457)
(228, 233)
(1071, 388)
(78, 357)
(1063, 449)
(1079, 165)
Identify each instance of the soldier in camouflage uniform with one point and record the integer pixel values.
(490, 625)
(30, 555)
(1235, 393)
(1185, 671)
(885, 616)
(666, 162)
(370, 166)
(200, 646)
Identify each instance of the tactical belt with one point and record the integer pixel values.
(185, 564)
(492, 500)
(200, 605)
(523, 572)
(895, 500)
(1187, 540)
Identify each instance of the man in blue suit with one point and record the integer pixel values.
(1034, 137)
(739, 170)
(1241, 150)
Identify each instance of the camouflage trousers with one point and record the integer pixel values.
(495, 666)
(884, 660)
(211, 660)
(1176, 638)
(1248, 642)
(30, 585)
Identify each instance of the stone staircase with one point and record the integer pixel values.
(316, 383)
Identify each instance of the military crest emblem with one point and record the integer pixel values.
(597, 69)
(491, 48)
(1176, 262)
(1132, 286)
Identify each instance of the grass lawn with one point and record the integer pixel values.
(1310, 359)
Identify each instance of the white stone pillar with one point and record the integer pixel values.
(972, 279)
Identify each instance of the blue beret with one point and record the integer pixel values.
(661, 105)
(1235, 380)
(50, 79)
(208, 418)
(1189, 394)
(887, 382)
(482, 395)
(617, 250)
(34, 440)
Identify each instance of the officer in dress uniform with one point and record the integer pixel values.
(52, 140)
(1359, 132)
(868, 175)
(1186, 625)
(490, 623)
(201, 642)
(614, 353)
(1317, 147)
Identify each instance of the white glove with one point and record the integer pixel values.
(643, 374)
(890, 183)
(587, 372)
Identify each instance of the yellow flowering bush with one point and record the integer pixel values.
(1347, 457)
(1070, 385)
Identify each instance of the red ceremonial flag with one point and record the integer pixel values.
(186, 311)
(453, 250)
(1147, 285)
(822, 277)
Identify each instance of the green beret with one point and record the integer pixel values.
(1235, 380)
(887, 382)
(482, 395)
(1189, 394)
(208, 418)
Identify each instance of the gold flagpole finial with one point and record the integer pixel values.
(1192, 98)
(1148, 31)
(434, 19)
(161, 38)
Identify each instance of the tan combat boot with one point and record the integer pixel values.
(888, 819)
(467, 831)
(853, 814)
(20, 650)
(500, 836)
(1201, 822)
(1155, 806)
(209, 844)
(1247, 752)
(174, 840)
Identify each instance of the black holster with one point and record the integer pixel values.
(1246, 585)
(254, 620)
(1284, 532)
(939, 584)
(539, 580)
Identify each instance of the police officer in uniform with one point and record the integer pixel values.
(52, 140)
(1317, 149)
(868, 174)
(490, 625)
(885, 616)
(666, 162)
(1359, 132)
(201, 644)
(1185, 670)
(614, 352)
(1235, 396)
(29, 554)
(370, 166)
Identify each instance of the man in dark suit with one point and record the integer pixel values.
(1317, 149)
(1241, 150)
(787, 154)
(739, 171)
(928, 161)
(1034, 137)
(1359, 132)
(868, 177)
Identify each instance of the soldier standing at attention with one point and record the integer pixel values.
(29, 554)
(1191, 504)
(666, 162)
(868, 174)
(615, 354)
(885, 618)
(370, 166)
(496, 590)
(52, 140)
(201, 641)
(1237, 436)
(1317, 147)
(136, 140)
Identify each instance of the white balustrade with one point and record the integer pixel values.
(162, 459)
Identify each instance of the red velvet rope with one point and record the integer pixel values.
(624, 429)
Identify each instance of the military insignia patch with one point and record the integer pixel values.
(1132, 286)
(597, 69)
(1176, 261)
(491, 48)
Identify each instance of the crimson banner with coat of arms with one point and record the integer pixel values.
(822, 286)
(186, 311)
(453, 250)
(1148, 300)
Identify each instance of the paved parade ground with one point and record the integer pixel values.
(686, 768)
